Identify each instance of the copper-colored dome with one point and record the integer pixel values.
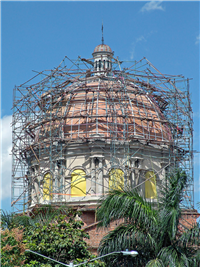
(109, 108)
(102, 48)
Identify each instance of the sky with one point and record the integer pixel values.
(37, 35)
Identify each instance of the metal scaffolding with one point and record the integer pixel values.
(71, 104)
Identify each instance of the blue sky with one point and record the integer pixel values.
(37, 36)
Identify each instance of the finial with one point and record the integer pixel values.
(102, 33)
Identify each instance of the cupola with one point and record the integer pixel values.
(102, 57)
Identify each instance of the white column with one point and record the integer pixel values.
(28, 176)
(55, 184)
(36, 178)
(100, 178)
(93, 178)
(133, 182)
(63, 184)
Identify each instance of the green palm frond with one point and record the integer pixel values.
(127, 236)
(126, 204)
(151, 230)
(195, 259)
(169, 206)
(169, 218)
(191, 237)
(7, 219)
(173, 190)
(22, 220)
(155, 263)
(173, 256)
(46, 214)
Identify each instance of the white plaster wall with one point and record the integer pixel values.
(80, 157)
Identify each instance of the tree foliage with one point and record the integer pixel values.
(60, 239)
(151, 230)
(12, 247)
(56, 234)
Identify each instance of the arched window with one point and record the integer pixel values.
(99, 64)
(78, 183)
(95, 65)
(107, 64)
(116, 179)
(47, 186)
(150, 185)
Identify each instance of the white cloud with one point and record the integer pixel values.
(152, 5)
(197, 40)
(138, 40)
(141, 38)
(6, 158)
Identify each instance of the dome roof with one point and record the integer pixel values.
(102, 48)
(113, 109)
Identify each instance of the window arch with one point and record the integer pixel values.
(99, 64)
(78, 183)
(107, 64)
(104, 64)
(95, 65)
(47, 186)
(150, 185)
(116, 179)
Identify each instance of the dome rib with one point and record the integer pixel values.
(109, 108)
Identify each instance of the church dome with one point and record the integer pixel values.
(114, 109)
(102, 48)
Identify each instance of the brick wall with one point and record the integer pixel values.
(96, 234)
(187, 220)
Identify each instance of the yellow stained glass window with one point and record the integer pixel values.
(116, 179)
(47, 186)
(78, 183)
(150, 185)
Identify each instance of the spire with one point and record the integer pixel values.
(102, 33)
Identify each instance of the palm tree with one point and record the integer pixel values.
(154, 231)
(10, 220)
(42, 215)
